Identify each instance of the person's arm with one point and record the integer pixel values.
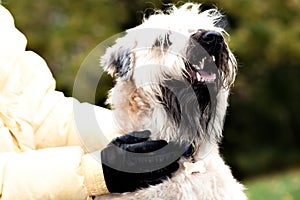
(68, 173)
(52, 173)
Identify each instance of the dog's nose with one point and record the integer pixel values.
(210, 38)
(211, 41)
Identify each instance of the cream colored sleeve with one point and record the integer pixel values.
(73, 123)
(54, 173)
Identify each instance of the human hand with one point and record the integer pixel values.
(135, 161)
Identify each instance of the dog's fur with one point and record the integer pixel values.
(158, 88)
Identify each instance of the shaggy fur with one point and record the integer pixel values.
(173, 78)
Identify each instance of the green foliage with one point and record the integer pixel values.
(263, 123)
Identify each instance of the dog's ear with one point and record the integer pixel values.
(117, 60)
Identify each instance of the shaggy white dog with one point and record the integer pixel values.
(174, 72)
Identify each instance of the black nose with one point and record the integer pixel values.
(210, 38)
(211, 41)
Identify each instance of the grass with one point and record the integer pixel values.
(281, 186)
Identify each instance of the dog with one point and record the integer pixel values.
(173, 77)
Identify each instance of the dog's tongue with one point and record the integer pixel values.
(203, 76)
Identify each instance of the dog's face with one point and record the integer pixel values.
(173, 74)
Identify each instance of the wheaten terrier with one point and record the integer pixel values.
(173, 76)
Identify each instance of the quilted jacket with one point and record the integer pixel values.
(44, 154)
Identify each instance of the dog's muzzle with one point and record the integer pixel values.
(206, 54)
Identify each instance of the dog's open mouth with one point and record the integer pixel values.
(203, 72)
(202, 76)
(206, 56)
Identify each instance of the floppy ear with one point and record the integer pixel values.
(117, 60)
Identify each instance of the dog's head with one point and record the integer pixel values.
(173, 75)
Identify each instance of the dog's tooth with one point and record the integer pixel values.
(201, 63)
(213, 58)
(198, 76)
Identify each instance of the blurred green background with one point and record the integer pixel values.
(262, 131)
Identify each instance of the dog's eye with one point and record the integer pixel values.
(163, 41)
